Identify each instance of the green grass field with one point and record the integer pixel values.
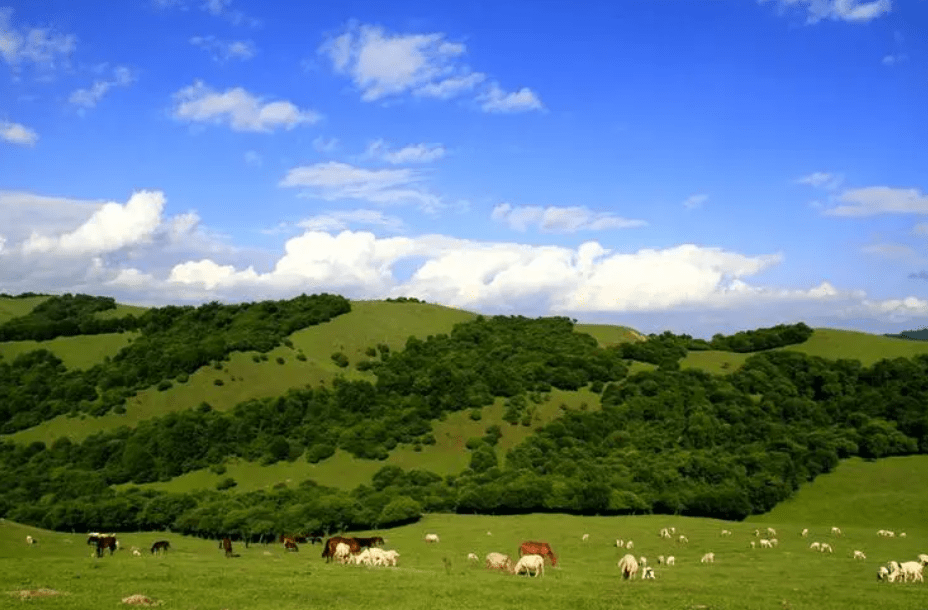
(195, 574)
(76, 352)
(13, 308)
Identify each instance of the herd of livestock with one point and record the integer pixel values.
(532, 554)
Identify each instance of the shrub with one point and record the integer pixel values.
(164, 384)
(256, 358)
(218, 382)
(227, 483)
(475, 414)
(301, 357)
(371, 352)
(280, 360)
(340, 359)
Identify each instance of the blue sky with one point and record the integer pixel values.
(695, 166)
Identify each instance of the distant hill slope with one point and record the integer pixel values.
(13, 308)
(885, 494)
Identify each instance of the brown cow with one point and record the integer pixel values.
(329, 551)
(538, 548)
(226, 545)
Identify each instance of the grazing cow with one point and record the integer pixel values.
(431, 537)
(328, 553)
(161, 545)
(30, 540)
(103, 542)
(498, 561)
(531, 565)
(538, 548)
(290, 545)
(226, 545)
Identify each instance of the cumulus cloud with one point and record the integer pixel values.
(694, 201)
(553, 219)
(112, 227)
(412, 153)
(15, 133)
(879, 200)
(855, 11)
(88, 98)
(40, 46)
(334, 180)
(423, 65)
(224, 50)
(824, 180)
(238, 108)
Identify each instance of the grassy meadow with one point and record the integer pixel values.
(195, 574)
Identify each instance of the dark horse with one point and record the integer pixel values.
(161, 545)
(367, 543)
(226, 545)
(102, 542)
(329, 551)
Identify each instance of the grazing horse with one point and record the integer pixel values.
(226, 545)
(329, 551)
(103, 542)
(161, 545)
(290, 545)
(369, 542)
(538, 548)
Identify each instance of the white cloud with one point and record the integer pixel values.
(241, 110)
(424, 65)
(14, 133)
(341, 220)
(253, 158)
(36, 45)
(497, 100)
(209, 274)
(880, 200)
(823, 180)
(112, 227)
(839, 10)
(334, 180)
(695, 201)
(553, 219)
(412, 153)
(891, 60)
(224, 50)
(920, 229)
(88, 98)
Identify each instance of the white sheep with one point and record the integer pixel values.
(753, 544)
(764, 543)
(882, 573)
(379, 557)
(498, 561)
(725, 533)
(771, 531)
(774, 542)
(586, 537)
(643, 560)
(431, 537)
(363, 558)
(137, 553)
(647, 573)
(683, 539)
(671, 560)
(30, 540)
(533, 565)
(665, 533)
(816, 546)
(912, 570)
(902, 535)
(342, 552)
(489, 533)
(708, 558)
(826, 548)
(619, 543)
(836, 531)
(472, 557)
(805, 532)
(629, 545)
(756, 533)
(923, 559)
(392, 557)
(673, 530)
(660, 560)
(629, 566)
(859, 555)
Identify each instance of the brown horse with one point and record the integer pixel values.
(538, 548)
(226, 545)
(329, 551)
(103, 542)
(161, 545)
(367, 543)
(290, 545)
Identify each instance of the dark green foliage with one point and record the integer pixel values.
(218, 382)
(280, 360)
(66, 316)
(371, 352)
(301, 357)
(164, 384)
(914, 335)
(475, 414)
(340, 359)
(404, 300)
(227, 483)
(174, 341)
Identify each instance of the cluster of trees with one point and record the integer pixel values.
(666, 441)
(667, 349)
(66, 316)
(914, 335)
(172, 342)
